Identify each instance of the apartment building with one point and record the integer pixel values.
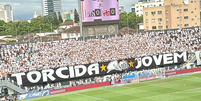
(174, 14)
(138, 8)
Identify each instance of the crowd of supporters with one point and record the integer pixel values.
(44, 55)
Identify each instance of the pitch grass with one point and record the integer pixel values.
(183, 88)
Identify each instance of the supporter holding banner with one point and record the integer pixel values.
(101, 68)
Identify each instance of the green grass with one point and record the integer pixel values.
(183, 88)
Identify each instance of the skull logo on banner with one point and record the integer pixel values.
(114, 65)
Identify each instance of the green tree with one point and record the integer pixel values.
(68, 20)
(130, 20)
(2, 22)
(200, 16)
(56, 22)
(76, 16)
(123, 20)
(60, 18)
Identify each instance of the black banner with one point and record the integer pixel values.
(102, 68)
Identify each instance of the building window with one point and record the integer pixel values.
(185, 10)
(167, 19)
(153, 20)
(191, 11)
(191, 1)
(146, 13)
(159, 12)
(147, 27)
(195, 8)
(166, 11)
(179, 10)
(153, 27)
(195, 23)
(167, 26)
(178, 25)
(186, 17)
(192, 19)
(146, 20)
(186, 25)
(159, 19)
(195, 15)
(195, 1)
(180, 18)
(177, 17)
(153, 12)
(160, 27)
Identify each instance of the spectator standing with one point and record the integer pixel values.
(3, 98)
(2, 91)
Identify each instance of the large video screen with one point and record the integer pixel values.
(104, 10)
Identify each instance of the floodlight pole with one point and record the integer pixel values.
(80, 17)
(51, 31)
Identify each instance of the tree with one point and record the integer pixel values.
(129, 20)
(76, 16)
(68, 20)
(200, 15)
(2, 22)
(123, 20)
(56, 22)
(60, 18)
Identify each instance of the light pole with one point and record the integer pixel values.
(40, 33)
(51, 31)
(127, 25)
(16, 33)
(28, 34)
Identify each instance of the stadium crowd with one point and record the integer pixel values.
(44, 55)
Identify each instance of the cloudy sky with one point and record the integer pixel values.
(24, 9)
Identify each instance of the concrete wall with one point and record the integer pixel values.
(100, 30)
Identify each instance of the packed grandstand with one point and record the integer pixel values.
(44, 55)
(60, 53)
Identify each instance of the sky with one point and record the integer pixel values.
(24, 9)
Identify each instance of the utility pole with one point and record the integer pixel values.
(28, 34)
(51, 31)
(127, 26)
(16, 33)
(40, 33)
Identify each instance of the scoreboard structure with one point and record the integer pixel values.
(98, 17)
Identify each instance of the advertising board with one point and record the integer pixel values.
(62, 90)
(104, 10)
(33, 95)
(182, 71)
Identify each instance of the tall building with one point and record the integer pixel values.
(138, 8)
(51, 6)
(6, 13)
(121, 9)
(174, 14)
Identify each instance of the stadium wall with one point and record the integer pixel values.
(63, 90)
(182, 71)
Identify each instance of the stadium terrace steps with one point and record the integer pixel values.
(5, 83)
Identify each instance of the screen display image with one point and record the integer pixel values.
(104, 10)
